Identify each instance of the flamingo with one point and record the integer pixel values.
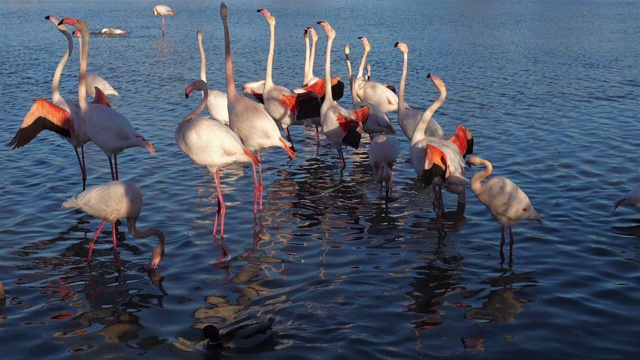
(505, 201)
(378, 121)
(309, 78)
(408, 118)
(372, 91)
(162, 10)
(217, 100)
(281, 103)
(316, 84)
(632, 198)
(437, 161)
(111, 202)
(388, 86)
(106, 127)
(60, 115)
(113, 31)
(339, 125)
(247, 118)
(462, 138)
(94, 80)
(383, 152)
(211, 144)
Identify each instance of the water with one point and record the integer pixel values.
(550, 93)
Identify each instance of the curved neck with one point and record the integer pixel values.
(327, 67)
(203, 104)
(312, 57)
(84, 56)
(231, 85)
(354, 96)
(403, 81)
(158, 252)
(203, 59)
(272, 44)
(364, 59)
(477, 178)
(305, 78)
(55, 85)
(419, 132)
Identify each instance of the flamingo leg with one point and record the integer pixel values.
(261, 186)
(81, 163)
(390, 182)
(114, 232)
(162, 25)
(343, 164)
(255, 190)
(286, 130)
(115, 165)
(502, 241)
(94, 240)
(318, 135)
(222, 209)
(113, 174)
(511, 240)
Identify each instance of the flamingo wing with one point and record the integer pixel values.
(43, 115)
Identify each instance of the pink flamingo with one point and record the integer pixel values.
(217, 100)
(163, 10)
(372, 91)
(212, 144)
(249, 119)
(111, 202)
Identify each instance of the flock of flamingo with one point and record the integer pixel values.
(240, 126)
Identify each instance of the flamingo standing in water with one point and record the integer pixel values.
(247, 118)
(378, 121)
(408, 118)
(111, 202)
(372, 91)
(632, 198)
(162, 10)
(383, 152)
(339, 125)
(506, 202)
(60, 115)
(281, 103)
(210, 143)
(217, 100)
(106, 127)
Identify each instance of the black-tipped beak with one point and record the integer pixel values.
(320, 22)
(396, 44)
(429, 76)
(47, 17)
(259, 10)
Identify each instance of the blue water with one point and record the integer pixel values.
(549, 89)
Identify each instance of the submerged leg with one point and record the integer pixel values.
(222, 209)
(502, 241)
(94, 240)
(511, 240)
(114, 234)
(286, 130)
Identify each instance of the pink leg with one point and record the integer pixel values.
(343, 164)
(162, 25)
(502, 241)
(261, 186)
(255, 190)
(94, 240)
(222, 209)
(114, 232)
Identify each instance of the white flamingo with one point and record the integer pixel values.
(212, 144)
(247, 118)
(505, 201)
(408, 118)
(339, 125)
(632, 198)
(111, 202)
(383, 152)
(281, 103)
(372, 91)
(378, 121)
(163, 10)
(217, 100)
(106, 127)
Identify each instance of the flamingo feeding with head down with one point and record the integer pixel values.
(632, 198)
(247, 118)
(372, 91)
(162, 10)
(505, 201)
(111, 202)
(60, 115)
(408, 118)
(210, 143)
(378, 121)
(339, 125)
(106, 127)
(216, 100)
(383, 152)
(281, 103)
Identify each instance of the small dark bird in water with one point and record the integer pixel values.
(240, 337)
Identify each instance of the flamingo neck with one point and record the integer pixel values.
(305, 78)
(203, 59)
(55, 85)
(158, 251)
(354, 96)
(231, 85)
(328, 96)
(268, 81)
(419, 133)
(84, 56)
(312, 57)
(362, 62)
(403, 81)
(203, 104)
(476, 181)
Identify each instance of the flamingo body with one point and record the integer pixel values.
(163, 10)
(632, 198)
(383, 152)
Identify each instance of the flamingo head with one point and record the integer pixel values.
(347, 50)
(435, 167)
(402, 47)
(365, 42)
(437, 81)
(327, 28)
(198, 85)
(314, 34)
(463, 140)
(271, 20)
(224, 11)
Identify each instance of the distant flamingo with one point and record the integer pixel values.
(408, 118)
(247, 118)
(210, 143)
(632, 198)
(217, 100)
(113, 31)
(106, 127)
(281, 103)
(372, 91)
(60, 116)
(162, 10)
(506, 202)
(111, 202)
(339, 125)
(378, 121)
(383, 152)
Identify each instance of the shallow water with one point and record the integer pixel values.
(549, 89)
